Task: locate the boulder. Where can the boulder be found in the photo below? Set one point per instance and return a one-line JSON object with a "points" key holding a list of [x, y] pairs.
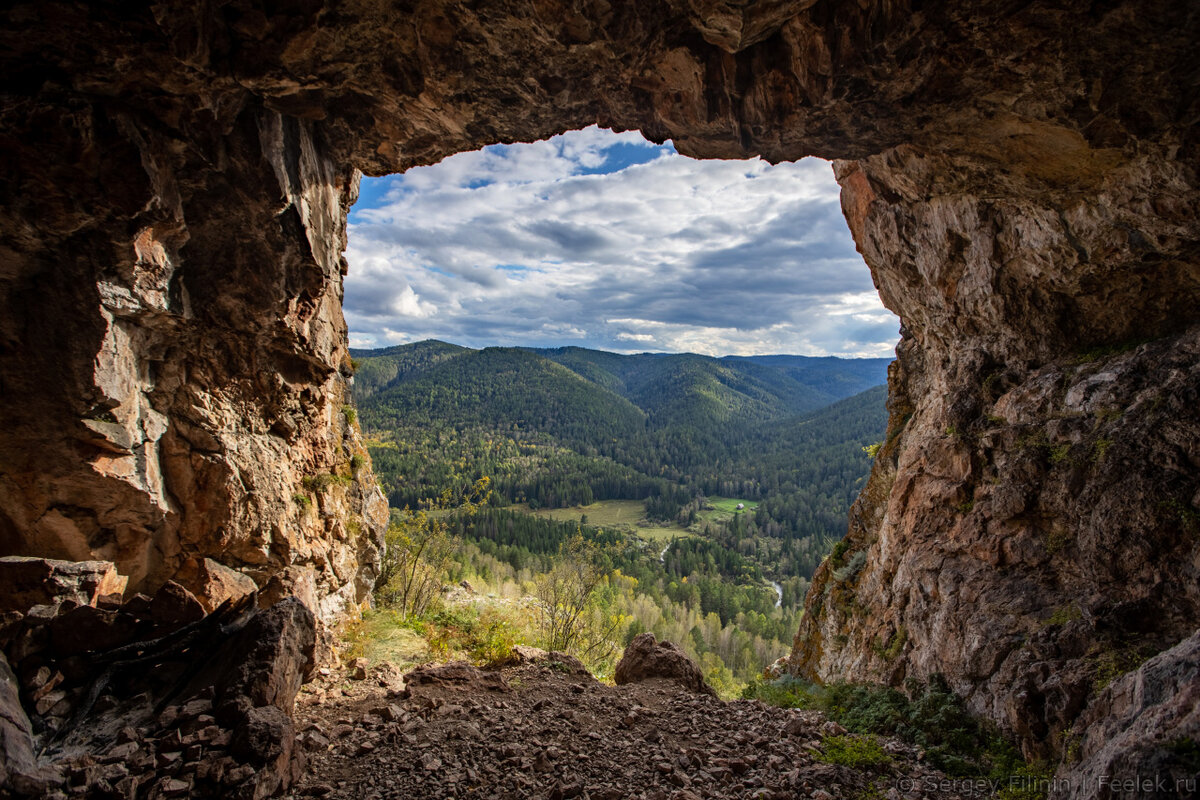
{"points": [[26, 582], [646, 658], [267, 740], [269, 660], [174, 606], [212, 582]]}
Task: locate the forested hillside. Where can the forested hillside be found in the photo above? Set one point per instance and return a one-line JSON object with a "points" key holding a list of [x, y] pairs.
{"points": [[571, 426], [743, 469]]}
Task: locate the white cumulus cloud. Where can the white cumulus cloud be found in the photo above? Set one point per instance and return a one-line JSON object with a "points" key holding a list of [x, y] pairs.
{"points": [[605, 240]]}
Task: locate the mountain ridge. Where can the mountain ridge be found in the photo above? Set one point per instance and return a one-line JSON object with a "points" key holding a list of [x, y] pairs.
{"points": [[667, 387]]}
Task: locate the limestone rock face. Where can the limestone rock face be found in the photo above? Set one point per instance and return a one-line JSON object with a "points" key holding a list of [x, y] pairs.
{"points": [[176, 377], [1145, 726], [1021, 179]]}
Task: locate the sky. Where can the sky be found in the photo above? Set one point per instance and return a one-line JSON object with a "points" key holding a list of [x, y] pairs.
{"points": [[604, 240]]}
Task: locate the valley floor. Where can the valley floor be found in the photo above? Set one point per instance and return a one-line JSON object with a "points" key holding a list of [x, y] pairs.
{"points": [[548, 729]]}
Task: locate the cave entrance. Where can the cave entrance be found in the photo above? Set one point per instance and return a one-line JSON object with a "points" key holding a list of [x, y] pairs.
{"points": [[592, 250]]}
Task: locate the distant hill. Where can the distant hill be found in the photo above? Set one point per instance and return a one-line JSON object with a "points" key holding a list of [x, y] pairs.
{"points": [[563, 391], [836, 377], [379, 369], [504, 389]]}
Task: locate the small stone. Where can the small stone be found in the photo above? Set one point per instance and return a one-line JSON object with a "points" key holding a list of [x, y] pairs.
{"points": [[314, 740], [49, 701], [194, 708], [48, 684], [389, 713], [39, 679], [122, 752], [238, 775], [831, 728], [173, 787], [167, 717], [127, 787]]}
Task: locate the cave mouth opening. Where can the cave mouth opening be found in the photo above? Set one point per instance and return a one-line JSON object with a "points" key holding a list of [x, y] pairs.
{"points": [[607, 241]]}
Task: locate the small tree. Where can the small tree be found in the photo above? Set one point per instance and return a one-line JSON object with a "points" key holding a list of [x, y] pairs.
{"points": [[418, 549], [570, 614]]}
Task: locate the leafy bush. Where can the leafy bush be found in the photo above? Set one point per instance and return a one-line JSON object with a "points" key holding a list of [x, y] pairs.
{"points": [[860, 752], [930, 716], [852, 567], [1063, 614], [322, 481], [837, 557], [493, 643]]}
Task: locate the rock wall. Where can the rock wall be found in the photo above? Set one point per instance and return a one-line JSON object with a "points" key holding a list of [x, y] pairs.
{"points": [[1020, 177], [175, 365]]}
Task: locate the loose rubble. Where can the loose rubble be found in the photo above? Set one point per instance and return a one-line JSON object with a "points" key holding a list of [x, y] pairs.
{"points": [[545, 729]]}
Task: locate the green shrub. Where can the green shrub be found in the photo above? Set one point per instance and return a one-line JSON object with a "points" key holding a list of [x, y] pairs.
{"points": [[1059, 453], [872, 450], [1100, 449], [929, 716], [1186, 752], [860, 752], [350, 413], [301, 500], [1112, 664], [839, 552], [1057, 539], [357, 462], [1063, 614], [322, 481], [492, 643], [894, 646], [1027, 782], [852, 567]]}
